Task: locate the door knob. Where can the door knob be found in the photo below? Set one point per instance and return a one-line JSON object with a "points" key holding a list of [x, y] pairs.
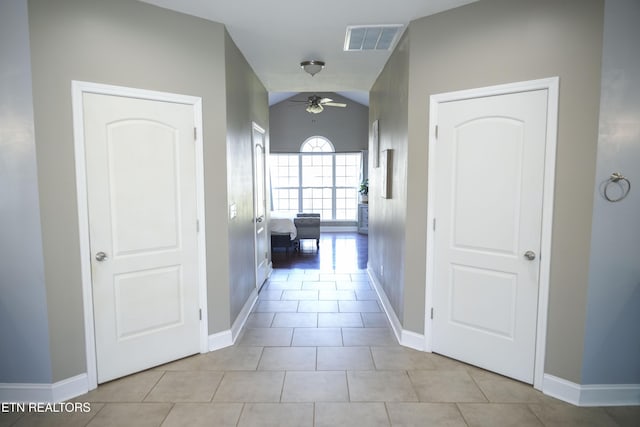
{"points": [[260, 219], [101, 256], [530, 255]]}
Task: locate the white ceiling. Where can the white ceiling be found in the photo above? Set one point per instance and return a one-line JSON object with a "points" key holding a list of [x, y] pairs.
{"points": [[275, 36]]}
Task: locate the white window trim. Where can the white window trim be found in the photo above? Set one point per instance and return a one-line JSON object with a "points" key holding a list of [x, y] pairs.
{"points": [[333, 188], [306, 141]]}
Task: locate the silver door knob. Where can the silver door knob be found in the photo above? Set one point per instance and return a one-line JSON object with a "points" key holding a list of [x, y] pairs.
{"points": [[530, 255], [101, 256]]}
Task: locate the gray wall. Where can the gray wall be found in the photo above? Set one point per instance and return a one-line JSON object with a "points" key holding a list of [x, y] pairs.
{"points": [[612, 341], [493, 42], [389, 102], [247, 102], [290, 125], [24, 330], [126, 43]]}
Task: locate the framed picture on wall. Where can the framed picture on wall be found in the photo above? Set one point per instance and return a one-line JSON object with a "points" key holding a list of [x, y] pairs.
{"points": [[386, 173], [375, 144]]}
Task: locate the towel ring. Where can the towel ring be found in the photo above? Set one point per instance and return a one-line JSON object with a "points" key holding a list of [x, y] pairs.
{"points": [[617, 178]]}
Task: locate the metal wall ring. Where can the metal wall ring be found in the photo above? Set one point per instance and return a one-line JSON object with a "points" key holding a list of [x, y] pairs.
{"points": [[617, 178]]}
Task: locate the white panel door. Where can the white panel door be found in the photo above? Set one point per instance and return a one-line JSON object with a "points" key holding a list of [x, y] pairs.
{"points": [[140, 158], [260, 206], [488, 210]]}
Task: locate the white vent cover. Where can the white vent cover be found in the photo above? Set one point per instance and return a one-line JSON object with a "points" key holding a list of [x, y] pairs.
{"points": [[371, 37]]}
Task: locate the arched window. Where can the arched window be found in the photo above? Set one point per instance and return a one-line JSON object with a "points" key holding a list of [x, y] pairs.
{"points": [[316, 180], [317, 144]]}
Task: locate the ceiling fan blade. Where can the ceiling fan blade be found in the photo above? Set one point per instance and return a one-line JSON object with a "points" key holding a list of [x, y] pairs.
{"points": [[334, 104], [324, 100]]}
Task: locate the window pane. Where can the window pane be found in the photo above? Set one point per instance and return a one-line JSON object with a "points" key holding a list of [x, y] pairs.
{"points": [[317, 170], [317, 144], [285, 182], [316, 182]]}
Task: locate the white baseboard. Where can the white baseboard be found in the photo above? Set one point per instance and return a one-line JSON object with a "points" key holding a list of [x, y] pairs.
{"points": [[220, 340], [338, 228], [396, 326], [228, 337], [406, 338], [591, 394], [51, 393], [71, 387], [242, 317], [413, 340], [269, 271]]}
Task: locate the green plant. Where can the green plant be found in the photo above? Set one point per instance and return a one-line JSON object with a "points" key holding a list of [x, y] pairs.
{"points": [[364, 187]]}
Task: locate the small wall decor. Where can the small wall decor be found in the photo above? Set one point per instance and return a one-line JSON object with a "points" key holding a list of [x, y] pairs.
{"points": [[386, 172], [375, 144]]}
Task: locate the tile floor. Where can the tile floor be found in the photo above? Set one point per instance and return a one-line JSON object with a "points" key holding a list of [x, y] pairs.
{"points": [[318, 351]]}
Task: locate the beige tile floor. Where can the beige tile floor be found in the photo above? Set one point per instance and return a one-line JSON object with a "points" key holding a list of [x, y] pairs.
{"points": [[318, 351]]}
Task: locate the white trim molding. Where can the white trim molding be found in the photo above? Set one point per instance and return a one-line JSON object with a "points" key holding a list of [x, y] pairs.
{"points": [[78, 88], [220, 340], [412, 340], [591, 394], [242, 317], [332, 228], [406, 338], [552, 86], [228, 337], [50, 393]]}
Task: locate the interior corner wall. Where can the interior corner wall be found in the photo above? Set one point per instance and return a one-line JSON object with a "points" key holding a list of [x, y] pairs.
{"points": [[25, 356], [612, 341], [247, 102], [126, 43], [346, 128], [489, 43], [388, 103]]}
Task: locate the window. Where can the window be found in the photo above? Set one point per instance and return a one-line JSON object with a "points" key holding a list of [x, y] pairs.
{"points": [[316, 180], [317, 144]]}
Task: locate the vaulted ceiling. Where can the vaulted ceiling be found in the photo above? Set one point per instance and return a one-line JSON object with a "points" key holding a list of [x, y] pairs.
{"points": [[276, 35]]}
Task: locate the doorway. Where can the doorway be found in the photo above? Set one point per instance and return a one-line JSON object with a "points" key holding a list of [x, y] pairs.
{"points": [[491, 169], [141, 210], [263, 266]]}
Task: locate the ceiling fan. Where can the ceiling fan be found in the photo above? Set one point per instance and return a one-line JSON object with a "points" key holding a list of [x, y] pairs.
{"points": [[316, 104]]}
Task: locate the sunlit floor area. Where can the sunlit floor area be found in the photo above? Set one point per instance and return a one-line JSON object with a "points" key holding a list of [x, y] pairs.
{"points": [[337, 251]]}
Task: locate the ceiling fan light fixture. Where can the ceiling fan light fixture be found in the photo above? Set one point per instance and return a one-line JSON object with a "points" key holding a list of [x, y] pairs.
{"points": [[315, 108], [312, 67]]}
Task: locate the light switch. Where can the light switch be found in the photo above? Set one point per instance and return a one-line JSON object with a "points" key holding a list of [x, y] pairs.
{"points": [[233, 211]]}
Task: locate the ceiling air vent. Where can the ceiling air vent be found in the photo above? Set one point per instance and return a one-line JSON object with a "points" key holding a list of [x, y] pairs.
{"points": [[371, 37]]}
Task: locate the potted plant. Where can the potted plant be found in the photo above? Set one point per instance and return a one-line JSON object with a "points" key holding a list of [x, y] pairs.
{"points": [[364, 191]]}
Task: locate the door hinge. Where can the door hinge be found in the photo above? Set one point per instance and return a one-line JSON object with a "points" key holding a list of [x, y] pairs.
{"points": [[197, 225], [436, 131], [431, 312], [195, 133], [200, 313], [434, 224]]}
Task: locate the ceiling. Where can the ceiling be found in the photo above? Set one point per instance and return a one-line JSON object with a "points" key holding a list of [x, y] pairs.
{"points": [[275, 36]]}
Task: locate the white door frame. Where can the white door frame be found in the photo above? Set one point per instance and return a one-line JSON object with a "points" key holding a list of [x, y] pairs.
{"points": [[552, 86], [78, 88], [261, 130]]}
